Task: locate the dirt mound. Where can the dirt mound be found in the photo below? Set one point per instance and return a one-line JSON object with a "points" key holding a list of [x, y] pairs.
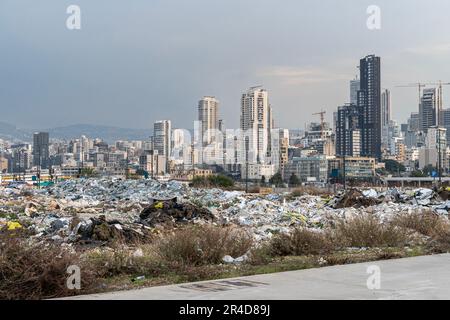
{"points": [[170, 212]]}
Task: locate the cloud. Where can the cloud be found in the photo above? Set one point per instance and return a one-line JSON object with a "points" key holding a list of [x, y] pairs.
{"points": [[289, 75]]}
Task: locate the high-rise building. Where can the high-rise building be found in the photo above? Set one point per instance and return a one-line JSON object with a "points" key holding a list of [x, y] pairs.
{"points": [[413, 133], [181, 146], [428, 108], [21, 158], [162, 139], [348, 131], [369, 99], [434, 151], [41, 153], [394, 132], [445, 122], [279, 148], [414, 122], [256, 124], [208, 115], [385, 116], [355, 86]]}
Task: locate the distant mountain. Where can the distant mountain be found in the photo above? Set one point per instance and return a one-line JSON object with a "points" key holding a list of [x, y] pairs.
{"points": [[108, 133], [13, 134]]}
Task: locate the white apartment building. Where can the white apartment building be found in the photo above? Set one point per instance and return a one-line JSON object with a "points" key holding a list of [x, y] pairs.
{"points": [[435, 145], [256, 171], [385, 117], [256, 124], [162, 137], [208, 115]]}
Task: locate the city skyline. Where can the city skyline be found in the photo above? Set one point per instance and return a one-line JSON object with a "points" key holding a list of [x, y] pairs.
{"points": [[69, 78]]}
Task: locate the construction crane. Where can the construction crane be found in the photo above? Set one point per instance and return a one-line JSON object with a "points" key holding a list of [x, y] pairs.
{"points": [[440, 84], [322, 121], [418, 85]]}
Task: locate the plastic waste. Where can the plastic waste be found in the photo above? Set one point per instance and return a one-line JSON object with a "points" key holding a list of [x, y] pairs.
{"points": [[12, 225]]}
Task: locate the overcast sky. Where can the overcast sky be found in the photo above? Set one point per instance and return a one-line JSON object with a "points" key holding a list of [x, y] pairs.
{"points": [[134, 62]]}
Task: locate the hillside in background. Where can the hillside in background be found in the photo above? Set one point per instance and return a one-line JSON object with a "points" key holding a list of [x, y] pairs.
{"points": [[108, 133]]}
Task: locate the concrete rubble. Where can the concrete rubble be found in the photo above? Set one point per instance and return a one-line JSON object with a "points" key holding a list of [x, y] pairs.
{"points": [[99, 210]]}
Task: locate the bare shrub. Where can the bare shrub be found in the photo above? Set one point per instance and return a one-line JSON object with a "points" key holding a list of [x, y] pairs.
{"points": [[36, 271], [299, 242], [261, 255], [204, 245], [440, 241], [368, 231], [427, 223]]}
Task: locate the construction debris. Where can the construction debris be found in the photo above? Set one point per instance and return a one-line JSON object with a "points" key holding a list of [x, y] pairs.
{"points": [[231, 260], [99, 211], [170, 212], [356, 199]]}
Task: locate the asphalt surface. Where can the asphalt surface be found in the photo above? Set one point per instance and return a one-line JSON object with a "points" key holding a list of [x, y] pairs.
{"points": [[425, 277]]}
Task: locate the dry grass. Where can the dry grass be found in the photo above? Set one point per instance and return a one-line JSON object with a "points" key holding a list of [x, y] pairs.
{"points": [[194, 253], [368, 231], [203, 245], [427, 223], [122, 261], [300, 242], [341, 258], [34, 271], [309, 190], [440, 242]]}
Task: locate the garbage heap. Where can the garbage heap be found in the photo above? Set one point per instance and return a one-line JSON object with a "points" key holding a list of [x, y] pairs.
{"points": [[107, 209], [170, 212]]}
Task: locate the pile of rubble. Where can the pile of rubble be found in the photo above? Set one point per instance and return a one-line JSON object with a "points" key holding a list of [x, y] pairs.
{"points": [[170, 212], [101, 210]]}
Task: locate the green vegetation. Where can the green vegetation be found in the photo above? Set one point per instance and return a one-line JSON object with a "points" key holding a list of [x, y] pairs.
{"points": [[213, 181], [263, 180], [88, 172], [294, 181], [425, 172], [277, 180], [393, 167], [418, 174]]}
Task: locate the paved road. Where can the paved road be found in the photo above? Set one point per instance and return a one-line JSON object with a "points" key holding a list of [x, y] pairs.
{"points": [[411, 278]]}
